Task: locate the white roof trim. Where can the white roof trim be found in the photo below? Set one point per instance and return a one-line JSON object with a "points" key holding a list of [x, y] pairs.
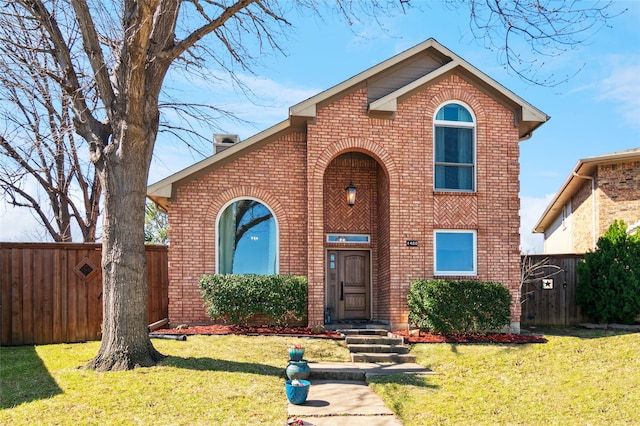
{"points": [[163, 188], [307, 108], [388, 103]]}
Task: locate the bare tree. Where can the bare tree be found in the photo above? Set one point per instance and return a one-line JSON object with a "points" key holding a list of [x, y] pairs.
{"points": [[38, 145], [527, 34], [113, 79]]}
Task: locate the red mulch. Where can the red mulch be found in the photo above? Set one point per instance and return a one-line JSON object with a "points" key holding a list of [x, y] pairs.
{"points": [[234, 329], [426, 337], [414, 337]]}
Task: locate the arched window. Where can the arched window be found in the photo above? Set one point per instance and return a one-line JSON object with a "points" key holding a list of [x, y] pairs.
{"points": [[454, 148], [247, 239]]}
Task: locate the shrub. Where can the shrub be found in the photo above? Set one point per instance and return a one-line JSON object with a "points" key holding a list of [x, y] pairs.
{"points": [[277, 299], [451, 306], [609, 278]]}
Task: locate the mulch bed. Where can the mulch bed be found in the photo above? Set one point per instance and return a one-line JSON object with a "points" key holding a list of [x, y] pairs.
{"points": [[426, 337], [220, 329], [414, 337]]}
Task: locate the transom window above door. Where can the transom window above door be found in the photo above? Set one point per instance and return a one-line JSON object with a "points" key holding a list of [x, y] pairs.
{"points": [[247, 239], [454, 134], [348, 238]]}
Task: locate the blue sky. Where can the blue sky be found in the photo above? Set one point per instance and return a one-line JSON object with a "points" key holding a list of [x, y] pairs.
{"points": [[595, 112]]}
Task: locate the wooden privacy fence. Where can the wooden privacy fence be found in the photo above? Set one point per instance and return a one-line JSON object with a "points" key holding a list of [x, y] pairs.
{"points": [[52, 293], [553, 302]]}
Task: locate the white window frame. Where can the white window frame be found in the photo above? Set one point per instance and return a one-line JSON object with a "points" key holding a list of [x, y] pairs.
{"points": [[471, 273], [457, 124], [217, 239]]}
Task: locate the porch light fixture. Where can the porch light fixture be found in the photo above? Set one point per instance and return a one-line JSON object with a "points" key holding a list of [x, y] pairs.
{"points": [[351, 194], [351, 189]]}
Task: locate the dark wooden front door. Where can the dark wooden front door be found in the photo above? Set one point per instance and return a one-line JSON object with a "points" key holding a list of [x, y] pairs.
{"points": [[348, 284]]}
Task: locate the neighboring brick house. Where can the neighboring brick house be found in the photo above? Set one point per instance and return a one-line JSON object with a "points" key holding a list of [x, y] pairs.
{"points": [[598, 191], [430, 144]]}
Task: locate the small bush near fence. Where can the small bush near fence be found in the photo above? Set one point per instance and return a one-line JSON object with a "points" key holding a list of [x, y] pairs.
{"points": [[239, 299], [458, 306]]}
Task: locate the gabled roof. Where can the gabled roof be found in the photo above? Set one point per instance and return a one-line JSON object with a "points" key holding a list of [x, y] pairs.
{"points": [[585, 169], [387, 84]]}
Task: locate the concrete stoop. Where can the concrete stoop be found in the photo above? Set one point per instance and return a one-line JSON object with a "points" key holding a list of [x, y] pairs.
{"points": [[339, 393], [376, 345]]}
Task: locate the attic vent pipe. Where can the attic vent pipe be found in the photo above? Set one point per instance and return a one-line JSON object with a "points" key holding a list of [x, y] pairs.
{"points": [[224, 141]]}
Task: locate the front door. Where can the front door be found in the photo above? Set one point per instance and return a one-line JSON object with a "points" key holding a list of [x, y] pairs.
{"points": [[348, 284]]}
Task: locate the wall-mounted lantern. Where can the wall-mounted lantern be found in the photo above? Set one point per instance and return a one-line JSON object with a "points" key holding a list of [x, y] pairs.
{"points": [[351, 194], [351, 188]]}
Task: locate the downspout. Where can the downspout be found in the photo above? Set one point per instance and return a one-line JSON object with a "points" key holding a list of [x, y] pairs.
{"points": [[593, 207]]}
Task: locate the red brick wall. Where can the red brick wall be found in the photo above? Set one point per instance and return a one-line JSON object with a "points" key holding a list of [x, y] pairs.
{"points": [[395, 184], [274, 174], [618, 194]]}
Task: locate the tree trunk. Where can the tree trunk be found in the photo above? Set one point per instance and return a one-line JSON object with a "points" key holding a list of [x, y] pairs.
{"points": [[123, 174]]}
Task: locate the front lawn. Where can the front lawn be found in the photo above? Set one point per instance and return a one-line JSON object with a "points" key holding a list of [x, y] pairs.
{"points": [[588, 378], [221, 380]]}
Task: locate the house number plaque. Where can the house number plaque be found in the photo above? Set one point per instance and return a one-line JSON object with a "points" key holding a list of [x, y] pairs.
{"points": [[412, 243]]}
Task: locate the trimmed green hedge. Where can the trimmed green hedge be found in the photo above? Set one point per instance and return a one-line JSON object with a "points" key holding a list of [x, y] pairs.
{"points": [[458, 306], [277, 299]]}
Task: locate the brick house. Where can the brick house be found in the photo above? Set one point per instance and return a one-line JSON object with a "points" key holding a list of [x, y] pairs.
{"points": [[429, 145], [598, 191]]}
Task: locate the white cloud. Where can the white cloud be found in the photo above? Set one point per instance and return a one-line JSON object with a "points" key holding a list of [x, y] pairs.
{"points": [[259, 101], [623, 86], [17, 224], [531, 208], [262, 104]]}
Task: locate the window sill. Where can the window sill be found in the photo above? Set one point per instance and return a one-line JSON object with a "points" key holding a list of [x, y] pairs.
{"points": [[453, 192], [455, 276]]}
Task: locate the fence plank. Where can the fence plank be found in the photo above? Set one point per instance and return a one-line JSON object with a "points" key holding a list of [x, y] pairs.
{"points": [[27, 297], [17, 290], [94, 297], [6, 300], [72, 296], [43, 300]]}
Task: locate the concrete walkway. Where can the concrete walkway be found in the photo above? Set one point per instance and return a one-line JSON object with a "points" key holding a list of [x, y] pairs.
{"points": [[339, 394]]}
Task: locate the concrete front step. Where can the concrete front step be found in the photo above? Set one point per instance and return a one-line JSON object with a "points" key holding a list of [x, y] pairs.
{"points": [[361, 370], [382, 357], [399, 349], [374, 346], [365, 332], [372, 340]]}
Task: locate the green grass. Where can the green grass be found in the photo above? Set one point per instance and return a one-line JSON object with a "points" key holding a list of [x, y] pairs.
{"points": [[218, 380], [590, 379], [593, 378]]}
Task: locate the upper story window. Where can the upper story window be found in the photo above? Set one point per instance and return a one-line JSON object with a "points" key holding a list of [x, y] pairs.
{"points": [[247, 239], [454, 148]]}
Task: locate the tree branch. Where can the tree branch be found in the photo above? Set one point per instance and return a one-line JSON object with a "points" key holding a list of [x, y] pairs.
{"points": [[93, 50]]}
